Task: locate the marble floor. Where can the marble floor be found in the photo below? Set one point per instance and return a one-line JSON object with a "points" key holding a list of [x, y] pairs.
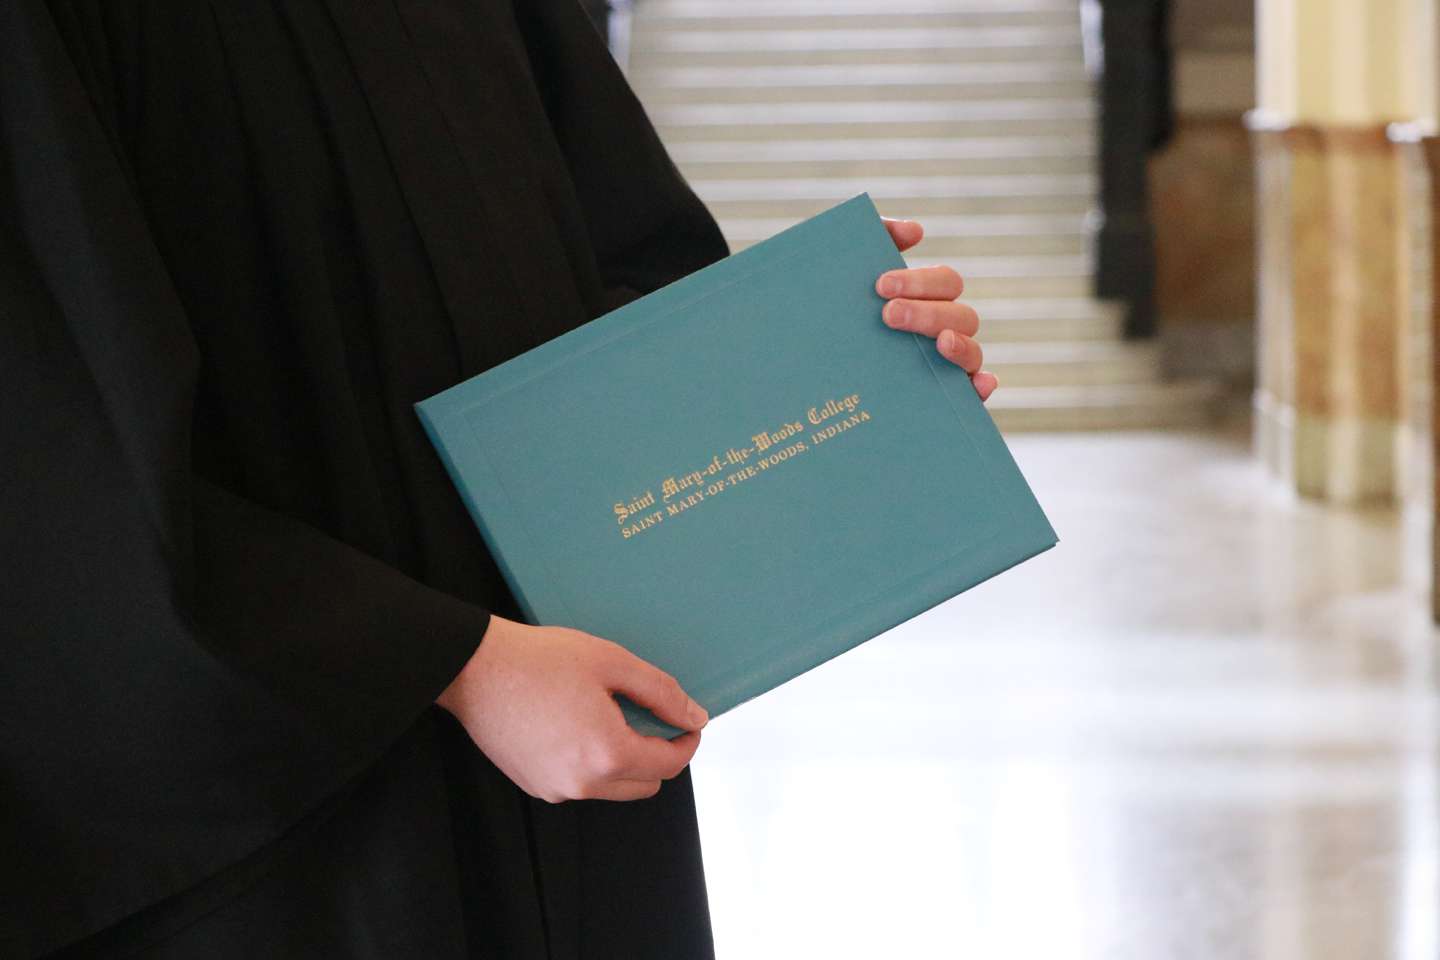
{"points": [[1204, 726]]}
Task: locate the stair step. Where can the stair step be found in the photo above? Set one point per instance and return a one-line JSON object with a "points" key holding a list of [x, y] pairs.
{"points": [[680, 129], [965, 247], [754, 17], [860, 81], [1009, 235], [1037, 331], [1048, 277], [857, 42], [853, 112], [832, 157], [926, 199], [879, 167], [657, 94], [752, 229], [760, 8], [850, 119], [656, 79], [1016, 267], [916, 198], [1112, 407], [896, 148], [1072, 364], [821, 188], [950, 236], [1009, 287], [1012, 45], [739, 57], [1034, 308], [1036, 319], [922, 208]]}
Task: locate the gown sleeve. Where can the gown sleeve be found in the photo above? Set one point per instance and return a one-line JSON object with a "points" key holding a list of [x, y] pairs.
{"points": [[646, 225], [185, 673]]}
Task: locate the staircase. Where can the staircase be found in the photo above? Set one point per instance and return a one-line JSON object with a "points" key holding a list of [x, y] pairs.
{"points": [[974, 117]]}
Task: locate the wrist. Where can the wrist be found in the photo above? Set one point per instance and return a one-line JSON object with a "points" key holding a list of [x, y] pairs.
{"points": [[453, 695]]}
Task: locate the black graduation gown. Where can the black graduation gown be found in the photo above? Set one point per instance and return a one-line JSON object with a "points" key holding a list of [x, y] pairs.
{"points": [[238, 240]]}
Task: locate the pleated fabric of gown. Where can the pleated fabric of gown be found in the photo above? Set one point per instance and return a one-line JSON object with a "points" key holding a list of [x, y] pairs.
{"points": [[238, 241]]}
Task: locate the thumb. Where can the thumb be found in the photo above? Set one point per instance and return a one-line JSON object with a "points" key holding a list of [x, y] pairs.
{"points": [[653, 688]]}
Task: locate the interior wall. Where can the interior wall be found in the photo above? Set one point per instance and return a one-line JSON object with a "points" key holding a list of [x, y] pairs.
{"points": [[1203, 195], [1214, 49]]}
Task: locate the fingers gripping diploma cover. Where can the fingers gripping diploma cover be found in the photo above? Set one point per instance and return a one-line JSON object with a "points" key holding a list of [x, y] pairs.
{"points": [[742, 474]]}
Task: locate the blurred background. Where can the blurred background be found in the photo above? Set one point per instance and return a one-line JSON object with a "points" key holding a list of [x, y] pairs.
{"points": [[1200, 236]]}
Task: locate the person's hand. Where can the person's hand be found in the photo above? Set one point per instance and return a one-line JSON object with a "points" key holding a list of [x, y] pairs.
{"points": [[922, 300], [537, 701]]}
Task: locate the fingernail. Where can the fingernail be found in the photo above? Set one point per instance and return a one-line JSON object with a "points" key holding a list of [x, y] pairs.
{"points": [[890, 285], [946, 342], [894, 313], [698, 716]]}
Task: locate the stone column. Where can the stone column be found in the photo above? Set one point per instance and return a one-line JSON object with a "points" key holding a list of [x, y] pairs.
{"points": [[1332, 76], [1417, 157], [1425, 374]]}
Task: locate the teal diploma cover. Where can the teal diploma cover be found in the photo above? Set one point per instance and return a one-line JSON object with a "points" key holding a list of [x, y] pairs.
{"points": [[743, 474]]}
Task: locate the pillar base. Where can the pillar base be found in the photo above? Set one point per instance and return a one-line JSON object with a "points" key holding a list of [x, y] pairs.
{"points": [[1342, 460]]}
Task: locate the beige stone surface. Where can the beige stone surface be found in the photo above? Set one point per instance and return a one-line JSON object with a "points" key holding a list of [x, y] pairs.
{"points": [[1347, 62], [1202, 205]]}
